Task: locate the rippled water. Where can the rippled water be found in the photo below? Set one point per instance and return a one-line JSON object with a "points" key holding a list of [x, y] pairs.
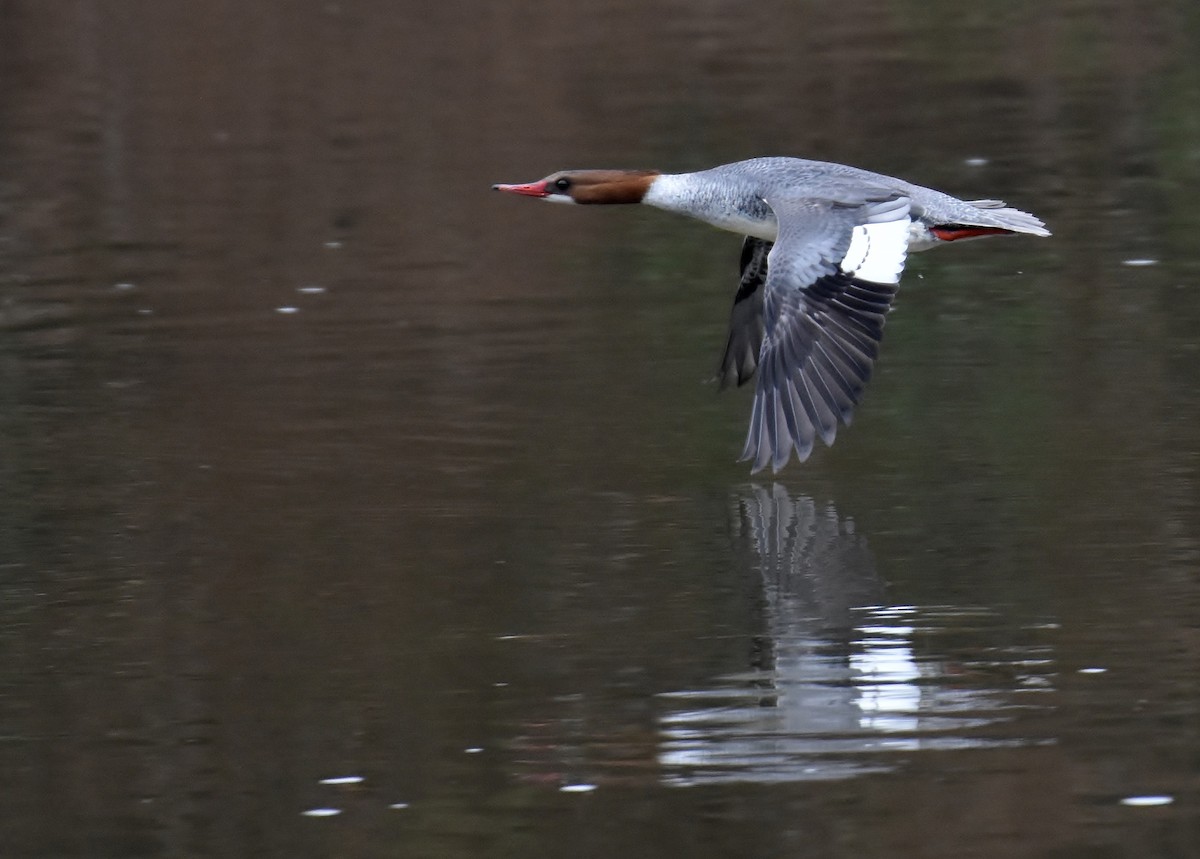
{"points": [[350, 509], [840, 686]]}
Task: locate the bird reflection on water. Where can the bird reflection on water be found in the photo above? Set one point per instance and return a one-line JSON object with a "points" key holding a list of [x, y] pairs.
{"points": [[840, 685], [840, 678]]}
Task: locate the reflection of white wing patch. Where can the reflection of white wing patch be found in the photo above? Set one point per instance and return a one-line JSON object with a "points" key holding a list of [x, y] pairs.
{"points": [[877, 251]]}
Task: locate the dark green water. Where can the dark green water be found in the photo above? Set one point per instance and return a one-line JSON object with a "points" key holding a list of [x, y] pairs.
{"points": [[320, 461]]}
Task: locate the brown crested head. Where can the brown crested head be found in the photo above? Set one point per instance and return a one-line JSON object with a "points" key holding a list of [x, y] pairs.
{"points": [[588, 186]]}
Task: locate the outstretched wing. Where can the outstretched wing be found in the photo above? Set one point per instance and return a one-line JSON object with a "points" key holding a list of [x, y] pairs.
{"points": [[831, 278], [746, 318]]}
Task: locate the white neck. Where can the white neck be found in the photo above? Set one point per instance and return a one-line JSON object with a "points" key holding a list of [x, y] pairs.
{"points": [[674, 192], [724, 205]]}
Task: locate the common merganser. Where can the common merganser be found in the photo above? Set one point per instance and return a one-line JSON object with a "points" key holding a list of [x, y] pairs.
{"points": [[821, 260]]}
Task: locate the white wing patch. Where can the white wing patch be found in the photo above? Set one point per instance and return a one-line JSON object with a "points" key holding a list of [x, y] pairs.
{"points": [[877, 251]]}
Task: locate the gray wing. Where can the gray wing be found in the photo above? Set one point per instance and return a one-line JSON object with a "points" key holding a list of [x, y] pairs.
{"points": [[746, 318], [831, 278]]}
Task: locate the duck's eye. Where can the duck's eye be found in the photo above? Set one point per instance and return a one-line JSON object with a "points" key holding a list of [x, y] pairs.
{"points": [[562, 184]]}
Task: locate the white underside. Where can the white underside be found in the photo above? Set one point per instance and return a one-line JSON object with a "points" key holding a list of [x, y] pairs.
{"points": [[920, 239]]}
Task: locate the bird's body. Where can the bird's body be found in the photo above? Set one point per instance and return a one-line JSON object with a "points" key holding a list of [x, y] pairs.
{"points": [[732, 197], [825, 245]]}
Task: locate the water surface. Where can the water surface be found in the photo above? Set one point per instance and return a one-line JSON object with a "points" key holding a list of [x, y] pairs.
{"points": [[351, 509]]}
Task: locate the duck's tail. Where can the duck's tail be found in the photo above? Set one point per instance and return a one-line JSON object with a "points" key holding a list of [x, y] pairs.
{"points": [[993, 213]]}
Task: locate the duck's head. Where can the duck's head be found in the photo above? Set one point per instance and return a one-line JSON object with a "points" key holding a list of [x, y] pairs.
{"points": [[588, 186]]}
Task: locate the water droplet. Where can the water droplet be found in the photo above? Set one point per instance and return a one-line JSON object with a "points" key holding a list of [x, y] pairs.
{"points": [[1140, 262], [343, 779], [975, 161], [1147, 801], [577, 788], [1092, 670], [311, 290], [322, 812], [473, 750], [333, 245], [398, 805], [287, 309], [123, 286]]}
